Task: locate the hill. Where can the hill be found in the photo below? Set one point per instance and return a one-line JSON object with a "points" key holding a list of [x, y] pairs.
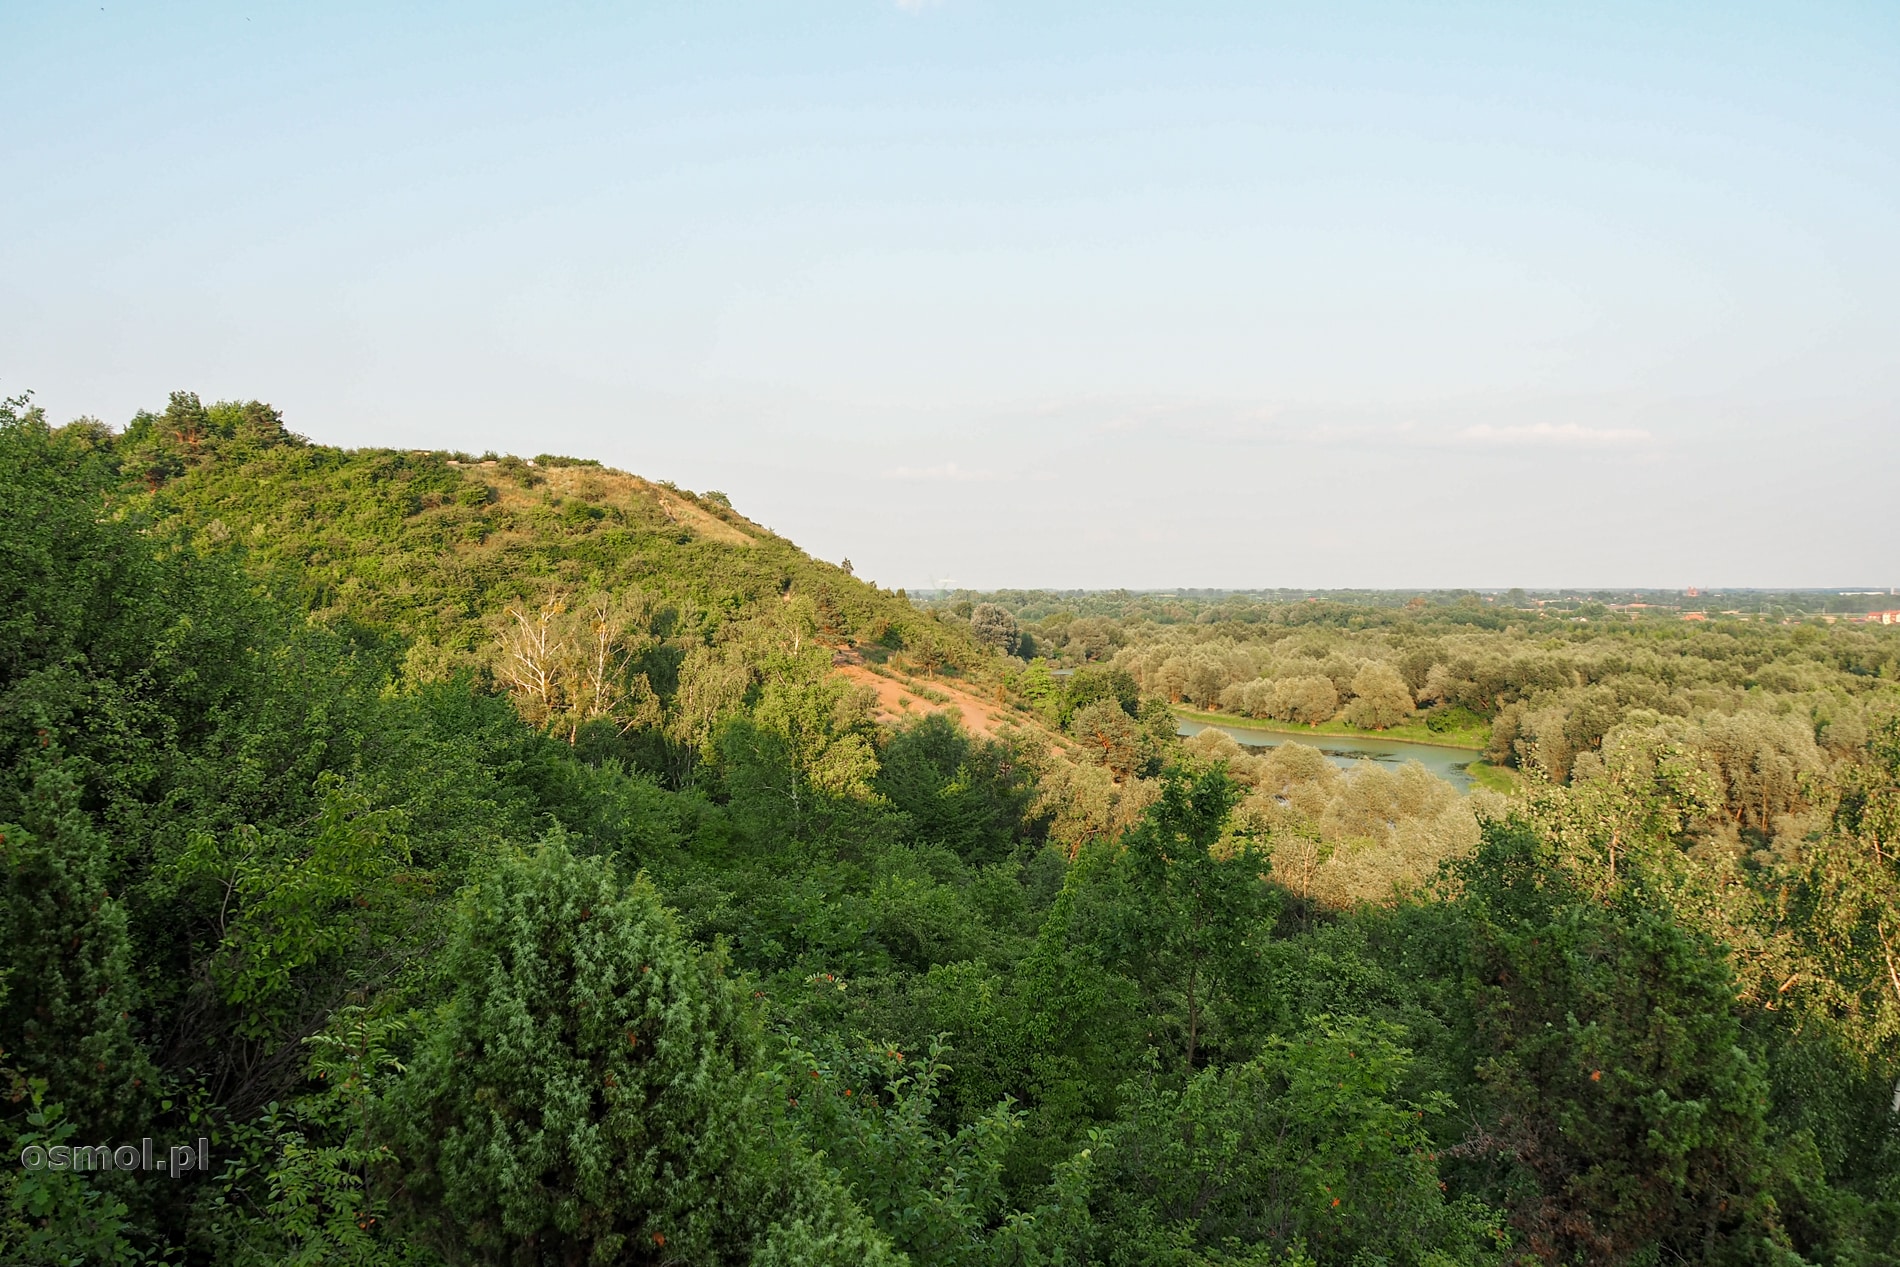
{"points": [[435, 545], [527, 570]]}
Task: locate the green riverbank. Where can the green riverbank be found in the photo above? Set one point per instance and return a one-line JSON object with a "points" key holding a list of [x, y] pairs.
{"points": [[1464, 741]]}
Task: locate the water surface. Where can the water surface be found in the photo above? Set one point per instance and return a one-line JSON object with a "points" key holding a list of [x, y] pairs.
{"points": [[1449, 764]]}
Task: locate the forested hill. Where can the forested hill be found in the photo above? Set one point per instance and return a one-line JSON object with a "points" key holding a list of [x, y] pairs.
{"points": [[590, 594], [437, 546]]}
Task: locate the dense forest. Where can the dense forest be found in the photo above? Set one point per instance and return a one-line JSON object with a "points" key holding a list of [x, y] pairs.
{"points": [[517, 861]]}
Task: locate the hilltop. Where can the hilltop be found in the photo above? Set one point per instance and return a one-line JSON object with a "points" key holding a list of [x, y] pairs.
{"points": [[472, 564], [437, 545]]}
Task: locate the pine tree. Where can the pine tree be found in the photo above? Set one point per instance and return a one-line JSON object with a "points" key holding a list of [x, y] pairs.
{"points": [[1609, 1042], [66, 993], [595, 1092]]}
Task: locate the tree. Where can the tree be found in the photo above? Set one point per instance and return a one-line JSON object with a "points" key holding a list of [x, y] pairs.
{"points": [[1635, 796], [1611, 1049], [65, 569], [995, 628], [157, 448], [711, 686], [1083, 804], [1379, 697], [567, 662], [299, 917], [1309, 1148], [965, 795], [1109, 735], [66, 984], [806, 743], [1192, 901], [1094, 683], [937, 1195], [1311, 699], [1840, 899], [1040, 687], [1090, 638], [595, 1092]]}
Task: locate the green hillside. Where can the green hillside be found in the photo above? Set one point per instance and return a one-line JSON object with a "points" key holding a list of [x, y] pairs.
{"points": [[436, 545], [462, 564]]}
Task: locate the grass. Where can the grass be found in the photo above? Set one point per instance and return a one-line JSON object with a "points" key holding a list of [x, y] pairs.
{"points": [[1410, 732], [1496, 778]]}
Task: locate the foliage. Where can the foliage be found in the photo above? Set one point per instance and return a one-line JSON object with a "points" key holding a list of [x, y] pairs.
{"points": [[567, 663], [1189, 906], [995, 628], [595, 1085], [54, 1218], [594, 595], [965, 795], [1305, 1149], [1370, 834], [937, 1196], [1380, 697], [287, 904], [1768, 700], [282, 725], [1612, 1049], [66, 985], [1109, 735]]}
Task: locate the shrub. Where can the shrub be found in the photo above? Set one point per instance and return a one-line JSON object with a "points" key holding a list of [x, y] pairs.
{"points": [[595, 1090]]}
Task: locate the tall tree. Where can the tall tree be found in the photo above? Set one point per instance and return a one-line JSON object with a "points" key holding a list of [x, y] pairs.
{"points": [[1192, 903], [567, 661], [995, 628], [965, 794], [66, 983], [1610, 1042], [1109, 736], [1379, 697], [1309, 698]]}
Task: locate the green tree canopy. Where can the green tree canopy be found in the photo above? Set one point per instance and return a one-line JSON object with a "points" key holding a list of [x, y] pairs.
{"points": [[996, 628], [595, 1090]]}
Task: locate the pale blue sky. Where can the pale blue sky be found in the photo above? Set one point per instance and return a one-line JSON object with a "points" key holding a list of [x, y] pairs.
{"points": [[1068, 295]]}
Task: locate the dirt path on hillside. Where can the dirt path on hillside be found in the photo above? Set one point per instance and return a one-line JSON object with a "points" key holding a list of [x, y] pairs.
{"points": [[901, 697]]}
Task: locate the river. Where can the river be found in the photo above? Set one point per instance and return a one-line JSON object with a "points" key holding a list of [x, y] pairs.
{"points": [[1448, 764]]}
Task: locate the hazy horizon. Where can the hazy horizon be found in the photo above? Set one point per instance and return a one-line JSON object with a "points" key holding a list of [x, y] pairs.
{"points": [[1368, 298]]}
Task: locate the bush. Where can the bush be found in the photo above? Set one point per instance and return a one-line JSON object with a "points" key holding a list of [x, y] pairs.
{"points": [[1306, 1150], [595, 1091]]}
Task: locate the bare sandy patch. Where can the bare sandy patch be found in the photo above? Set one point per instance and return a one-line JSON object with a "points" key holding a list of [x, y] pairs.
{"points": [[899, 697]]}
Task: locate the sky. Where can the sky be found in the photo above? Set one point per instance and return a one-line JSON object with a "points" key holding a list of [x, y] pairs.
{"points": [[1061, 295]]}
